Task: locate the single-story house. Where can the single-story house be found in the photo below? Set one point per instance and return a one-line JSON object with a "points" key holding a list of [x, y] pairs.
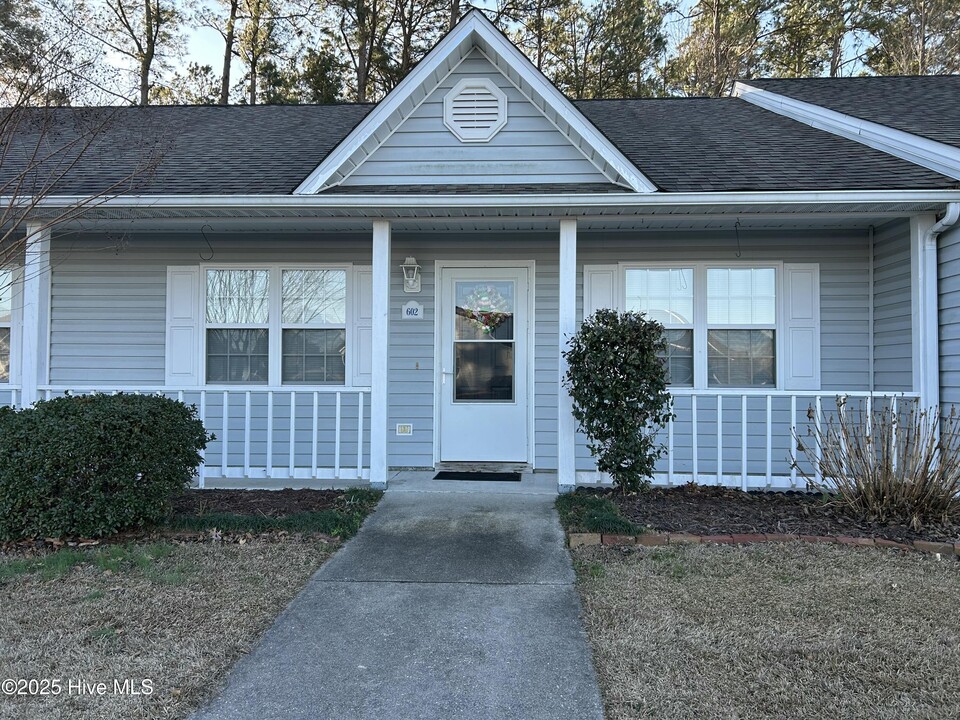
{"points": [[344, 290]]}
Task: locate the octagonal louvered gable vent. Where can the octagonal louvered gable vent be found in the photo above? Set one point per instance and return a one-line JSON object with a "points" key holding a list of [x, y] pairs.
{"points": [[475, 110]]}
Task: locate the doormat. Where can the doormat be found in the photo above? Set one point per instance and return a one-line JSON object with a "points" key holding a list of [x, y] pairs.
{"points": [[479, 476]]}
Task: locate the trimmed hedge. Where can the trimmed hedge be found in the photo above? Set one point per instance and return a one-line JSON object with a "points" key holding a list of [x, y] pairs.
{"points": [[94, 465]]}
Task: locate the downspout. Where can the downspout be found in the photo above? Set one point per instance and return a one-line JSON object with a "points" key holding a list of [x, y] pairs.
{"points": [[930, 267]]}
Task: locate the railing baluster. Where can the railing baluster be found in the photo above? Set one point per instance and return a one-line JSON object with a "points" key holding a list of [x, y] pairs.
{"points": [[818, 474], [203, 453], [293, 431], [696, 449], [226, 431], [336, 442], [246, 434], [743, 443], [719, 439], [313, 439], [269, 463], [895, 427], [769, 440], [670, 446], [793, 441], [360, 435]]}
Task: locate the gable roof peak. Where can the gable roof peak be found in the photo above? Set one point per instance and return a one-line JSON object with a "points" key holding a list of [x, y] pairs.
{"points": [[474, 30]]}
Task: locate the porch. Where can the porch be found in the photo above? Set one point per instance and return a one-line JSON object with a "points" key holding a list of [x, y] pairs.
{"points": [[876, 338]]}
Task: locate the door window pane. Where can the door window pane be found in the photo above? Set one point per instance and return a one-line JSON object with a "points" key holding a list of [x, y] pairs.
{"points": [[663, 294], [741, 358], [741, 296], [5, 354], [314, 297], [484, 310], [238, 356], [483, 371], [239, 297], [314, 356]]}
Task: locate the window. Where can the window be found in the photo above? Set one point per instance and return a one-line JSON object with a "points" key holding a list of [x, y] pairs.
{"points": [[720, 322], [6, 322], [666, 295], [269, 325], [741, 327]]}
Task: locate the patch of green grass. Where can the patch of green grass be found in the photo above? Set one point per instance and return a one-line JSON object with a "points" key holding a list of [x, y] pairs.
{"points": [[580, 512], [340, 523], [95, 595], [113, 558], [180, 574], [104, 633]]}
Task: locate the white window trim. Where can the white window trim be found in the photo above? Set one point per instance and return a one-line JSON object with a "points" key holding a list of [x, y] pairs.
{"points": [[700, 326], [275, 325], [16, 321]]}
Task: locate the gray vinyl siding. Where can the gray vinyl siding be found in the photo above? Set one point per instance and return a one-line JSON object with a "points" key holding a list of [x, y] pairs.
{"points": [[109, 314], [844, 335], [893, 340], [949, 289], [529, 149], [108, 300]]}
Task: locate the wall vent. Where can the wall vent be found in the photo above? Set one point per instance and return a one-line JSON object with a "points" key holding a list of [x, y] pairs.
{"points": [[475, 110]]}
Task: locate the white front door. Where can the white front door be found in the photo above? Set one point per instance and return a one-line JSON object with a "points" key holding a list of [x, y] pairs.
{"points": [[483, 357]]}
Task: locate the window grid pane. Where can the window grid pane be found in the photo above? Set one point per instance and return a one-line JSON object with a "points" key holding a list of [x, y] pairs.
{"points": [[238, 297], [663, 294], [678, 357], [741, 296], [741, 358], [238, 356], [6, 293], [314, 297], [4, 354], [314, 356]]}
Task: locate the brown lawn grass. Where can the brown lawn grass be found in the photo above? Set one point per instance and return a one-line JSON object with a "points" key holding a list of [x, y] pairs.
{"points": [[772, 631], [176, 614]]}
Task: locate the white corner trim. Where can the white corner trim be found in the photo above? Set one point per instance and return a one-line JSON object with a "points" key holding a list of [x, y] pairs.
{"points": [[469, 122], [943, 158], [472, 30]]}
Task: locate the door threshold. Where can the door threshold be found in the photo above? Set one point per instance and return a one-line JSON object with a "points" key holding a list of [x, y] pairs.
{"points": [[489, 467]]}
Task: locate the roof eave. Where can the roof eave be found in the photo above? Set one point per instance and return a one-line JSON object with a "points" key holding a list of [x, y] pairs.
{"points": [[940, 157]]}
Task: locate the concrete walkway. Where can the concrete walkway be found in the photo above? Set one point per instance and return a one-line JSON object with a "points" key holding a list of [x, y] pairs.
{"points": [[446, 605]]}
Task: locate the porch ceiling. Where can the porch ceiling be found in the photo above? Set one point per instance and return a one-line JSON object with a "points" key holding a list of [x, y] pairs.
{"points": [[459, 213]]}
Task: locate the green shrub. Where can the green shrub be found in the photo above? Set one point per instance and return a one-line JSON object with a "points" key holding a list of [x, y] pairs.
{"points": [[580, 512], [94, 465], [618, 382]]}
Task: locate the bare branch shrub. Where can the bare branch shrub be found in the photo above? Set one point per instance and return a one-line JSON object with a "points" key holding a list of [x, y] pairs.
{"points": [[888, 466]]}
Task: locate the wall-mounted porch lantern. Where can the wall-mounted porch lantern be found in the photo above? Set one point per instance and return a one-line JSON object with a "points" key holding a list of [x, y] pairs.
{"points": [[411, 275]]}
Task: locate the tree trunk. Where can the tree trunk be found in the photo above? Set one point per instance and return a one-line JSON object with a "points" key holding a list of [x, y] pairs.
{"points": [[228, 53], [454, 13], [146, 59]]}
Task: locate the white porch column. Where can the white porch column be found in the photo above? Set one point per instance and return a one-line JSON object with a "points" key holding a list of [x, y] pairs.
{"points": [[36, 313], [379, 366], [925, 314], [566, 425]]}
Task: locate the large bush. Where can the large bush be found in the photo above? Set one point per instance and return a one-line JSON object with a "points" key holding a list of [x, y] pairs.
{"points": [[93, 465], [886, 467], [618, 382]]}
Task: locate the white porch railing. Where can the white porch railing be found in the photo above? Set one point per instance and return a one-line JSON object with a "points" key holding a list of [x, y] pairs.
{"points": [[271, 433], [745, 438]]}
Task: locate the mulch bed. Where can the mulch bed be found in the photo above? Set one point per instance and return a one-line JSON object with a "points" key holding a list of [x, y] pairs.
{"points": [[267, 503], [706, 510]]}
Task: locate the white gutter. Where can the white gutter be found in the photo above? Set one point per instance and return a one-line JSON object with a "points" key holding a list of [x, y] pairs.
{"points": [[948, 220], [571, 202], [942, 158]]}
